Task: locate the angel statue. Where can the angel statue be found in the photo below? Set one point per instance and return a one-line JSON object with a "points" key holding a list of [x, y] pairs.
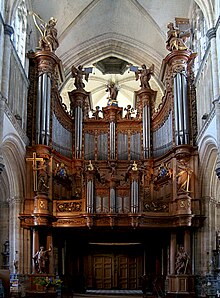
{"points": [[113, 93], [176, 38], [78, 74], [144, 75], [48, 40]]}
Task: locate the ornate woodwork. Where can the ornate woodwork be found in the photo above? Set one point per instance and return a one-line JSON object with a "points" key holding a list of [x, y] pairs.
{"points": [[132, 172]]}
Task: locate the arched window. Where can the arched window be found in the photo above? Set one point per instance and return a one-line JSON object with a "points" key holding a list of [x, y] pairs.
{"points": [[20, 25], [199, 38]]}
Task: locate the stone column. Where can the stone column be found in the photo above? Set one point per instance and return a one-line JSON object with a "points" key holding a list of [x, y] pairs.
{"points": [[172, 253], [14, 228], [2, 105], [211, 34], [8, 31]]}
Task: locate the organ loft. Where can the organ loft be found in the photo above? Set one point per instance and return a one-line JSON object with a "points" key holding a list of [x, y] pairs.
{"points": [[114, 190]]}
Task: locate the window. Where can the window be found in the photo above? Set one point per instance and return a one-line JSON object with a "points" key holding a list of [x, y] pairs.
{"points": [[20, 25], [199, 39]]}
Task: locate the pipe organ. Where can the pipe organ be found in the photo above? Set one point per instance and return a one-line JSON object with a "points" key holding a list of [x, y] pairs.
{"points": [[155, 143], [134, 172]]}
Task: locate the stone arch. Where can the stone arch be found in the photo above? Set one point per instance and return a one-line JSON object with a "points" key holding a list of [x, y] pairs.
{"points": [[13, 152], [208, 11], [113, 44], [208, 156]]}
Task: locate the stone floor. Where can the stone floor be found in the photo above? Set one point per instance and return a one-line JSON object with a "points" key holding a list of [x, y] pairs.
{"points": [[111, 294]]}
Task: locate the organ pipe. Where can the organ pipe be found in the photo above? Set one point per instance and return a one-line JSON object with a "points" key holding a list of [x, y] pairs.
{"points": [[43, 109]]}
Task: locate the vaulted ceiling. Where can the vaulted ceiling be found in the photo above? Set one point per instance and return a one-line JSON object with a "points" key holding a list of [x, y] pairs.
{"points": [[129, 31]]}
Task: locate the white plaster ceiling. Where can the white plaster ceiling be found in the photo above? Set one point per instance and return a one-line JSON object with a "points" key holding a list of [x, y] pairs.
{"points": [[132, 30]]}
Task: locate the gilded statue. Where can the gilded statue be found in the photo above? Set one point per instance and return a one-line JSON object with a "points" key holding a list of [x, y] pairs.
{"points": [[90, 166], [134, 166], [183, 177], [144, 75], [176, 39], [43, 177], [78, 74], [48, 40]]}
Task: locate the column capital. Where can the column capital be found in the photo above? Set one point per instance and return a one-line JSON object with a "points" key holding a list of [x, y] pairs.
{"points": [[211, 33], [8, 29]]}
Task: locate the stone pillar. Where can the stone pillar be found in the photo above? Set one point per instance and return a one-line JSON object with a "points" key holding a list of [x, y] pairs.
{"points": [[211, 34], [172, 253], [14, 228], [8, 30]]}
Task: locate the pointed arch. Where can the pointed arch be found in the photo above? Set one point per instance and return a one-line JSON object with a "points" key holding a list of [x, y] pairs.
{"points": [[207, 176], [13, 153], [208, 11]]}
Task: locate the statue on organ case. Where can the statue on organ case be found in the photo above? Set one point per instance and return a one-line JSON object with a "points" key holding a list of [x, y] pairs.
{"points": [[176, 39], [48, 40], [41, 260], [144, 75], [78, 74]]}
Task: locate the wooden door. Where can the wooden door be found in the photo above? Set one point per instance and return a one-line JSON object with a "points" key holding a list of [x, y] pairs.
{"points": [[127, 272], [102, 271], [116, 271]]}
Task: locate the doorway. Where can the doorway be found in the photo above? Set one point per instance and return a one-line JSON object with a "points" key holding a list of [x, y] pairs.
{"points": [[119, 269]]}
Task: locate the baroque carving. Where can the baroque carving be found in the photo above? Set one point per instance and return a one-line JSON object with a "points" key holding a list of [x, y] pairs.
{"points": [[69, 207], [155, 206]]}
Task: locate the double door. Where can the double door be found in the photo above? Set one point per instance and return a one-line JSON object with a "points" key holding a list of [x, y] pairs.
{"points": [[116, 271]]}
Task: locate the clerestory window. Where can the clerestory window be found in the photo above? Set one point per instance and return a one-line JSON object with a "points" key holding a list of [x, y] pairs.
{"points": [[20, 25]]}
